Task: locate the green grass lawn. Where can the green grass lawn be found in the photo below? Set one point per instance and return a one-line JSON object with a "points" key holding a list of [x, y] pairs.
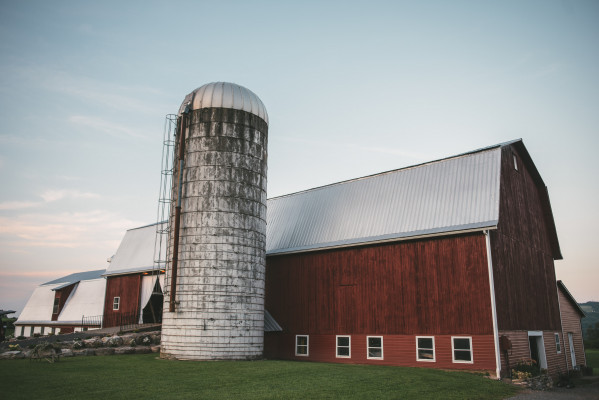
{"points": [[592, 356], [145, 376]]}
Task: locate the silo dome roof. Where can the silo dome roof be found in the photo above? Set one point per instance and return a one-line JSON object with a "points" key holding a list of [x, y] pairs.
{"points": [[225, 95]]}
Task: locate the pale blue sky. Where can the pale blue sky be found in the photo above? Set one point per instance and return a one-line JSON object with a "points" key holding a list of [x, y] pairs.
{"points": [[351, 88]]}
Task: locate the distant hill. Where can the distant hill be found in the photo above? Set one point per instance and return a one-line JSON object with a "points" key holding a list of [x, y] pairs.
{"points": [[591, 309]]}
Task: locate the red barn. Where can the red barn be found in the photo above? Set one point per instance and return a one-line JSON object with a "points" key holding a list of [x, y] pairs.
{"points": [[447, 264], [134, 279]]}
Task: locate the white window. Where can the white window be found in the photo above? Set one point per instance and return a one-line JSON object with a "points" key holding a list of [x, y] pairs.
{"points": [[116, 303], [425, 348], [301, 345], [344, 346], [461, 348], [374, 347], [558, 345]]}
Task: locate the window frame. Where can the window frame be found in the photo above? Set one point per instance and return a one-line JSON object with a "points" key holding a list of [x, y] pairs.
{"points": [[558, 344], [116, 301], [453, 350], [307, 345], [337, 337], [56, 305], [382, 357], [418, 348]]}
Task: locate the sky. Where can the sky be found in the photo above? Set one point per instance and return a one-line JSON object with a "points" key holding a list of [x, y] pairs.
{"points": [[352, 88]]}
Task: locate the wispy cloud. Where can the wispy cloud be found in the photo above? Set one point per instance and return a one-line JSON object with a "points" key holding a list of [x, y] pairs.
{"points": [[106, 127], [98, 228], [55, 195], [19, 205], [48, 196], [121, 97]]}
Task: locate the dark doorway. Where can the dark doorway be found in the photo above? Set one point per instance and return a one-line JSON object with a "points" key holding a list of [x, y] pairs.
{"points": [[534, 349], [152, 312]]}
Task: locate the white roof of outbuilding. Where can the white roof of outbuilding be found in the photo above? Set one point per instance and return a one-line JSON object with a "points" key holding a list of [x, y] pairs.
{"points": [[39, 306], [225, 95], [136, 252], [456, 194], [87, 299]]}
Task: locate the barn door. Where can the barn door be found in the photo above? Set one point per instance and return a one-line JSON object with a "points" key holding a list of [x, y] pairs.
{"points": [[537, 348], [572, 353]]}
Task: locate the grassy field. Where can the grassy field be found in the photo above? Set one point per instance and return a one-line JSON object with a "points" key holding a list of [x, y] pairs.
{"points": [[145, 376], [592, 356]]}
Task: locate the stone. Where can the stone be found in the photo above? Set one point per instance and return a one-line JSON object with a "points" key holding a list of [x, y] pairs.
{"points": [[124, 350], [11, 355], [66, 353], [155, 349], [105, 351], [142, 350], [84, 352]]}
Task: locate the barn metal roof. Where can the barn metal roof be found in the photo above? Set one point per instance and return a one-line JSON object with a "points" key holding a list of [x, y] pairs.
{"points": [[86, 300], [39, 306], [76, 277], [456, 194], [270, 325], [136, 251]]}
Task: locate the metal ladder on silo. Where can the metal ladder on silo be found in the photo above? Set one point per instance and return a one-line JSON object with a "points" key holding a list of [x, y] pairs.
{"points": [[161, 248]]}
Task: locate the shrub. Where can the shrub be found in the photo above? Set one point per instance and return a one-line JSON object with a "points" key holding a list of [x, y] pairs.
{"points": [[21, 337], [14, 347], [525, 369]]}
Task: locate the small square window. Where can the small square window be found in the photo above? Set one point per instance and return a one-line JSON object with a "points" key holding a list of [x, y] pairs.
{"points": [[558, 345], [301, 345], [116, 303], [425, 348], [461, 348], [343, 346], [374, 347]]}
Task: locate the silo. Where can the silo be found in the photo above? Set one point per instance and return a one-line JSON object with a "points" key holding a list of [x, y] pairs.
{"points": [[214, 297]]}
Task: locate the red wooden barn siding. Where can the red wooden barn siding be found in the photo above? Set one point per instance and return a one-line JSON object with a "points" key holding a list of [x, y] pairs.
{"points": [[62, 294], [524, 273], [435, 287], [397, 350], [127, 287], [571, 324]]}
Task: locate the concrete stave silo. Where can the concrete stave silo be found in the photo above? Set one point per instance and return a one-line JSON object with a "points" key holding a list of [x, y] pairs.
{"points": [[215, 309]]}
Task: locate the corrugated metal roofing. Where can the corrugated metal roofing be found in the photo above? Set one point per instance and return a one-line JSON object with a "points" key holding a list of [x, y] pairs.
{"points": [[40, 304], [86, 300], [455, 194], [76, 277], [270, 325], [136, 251]]}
